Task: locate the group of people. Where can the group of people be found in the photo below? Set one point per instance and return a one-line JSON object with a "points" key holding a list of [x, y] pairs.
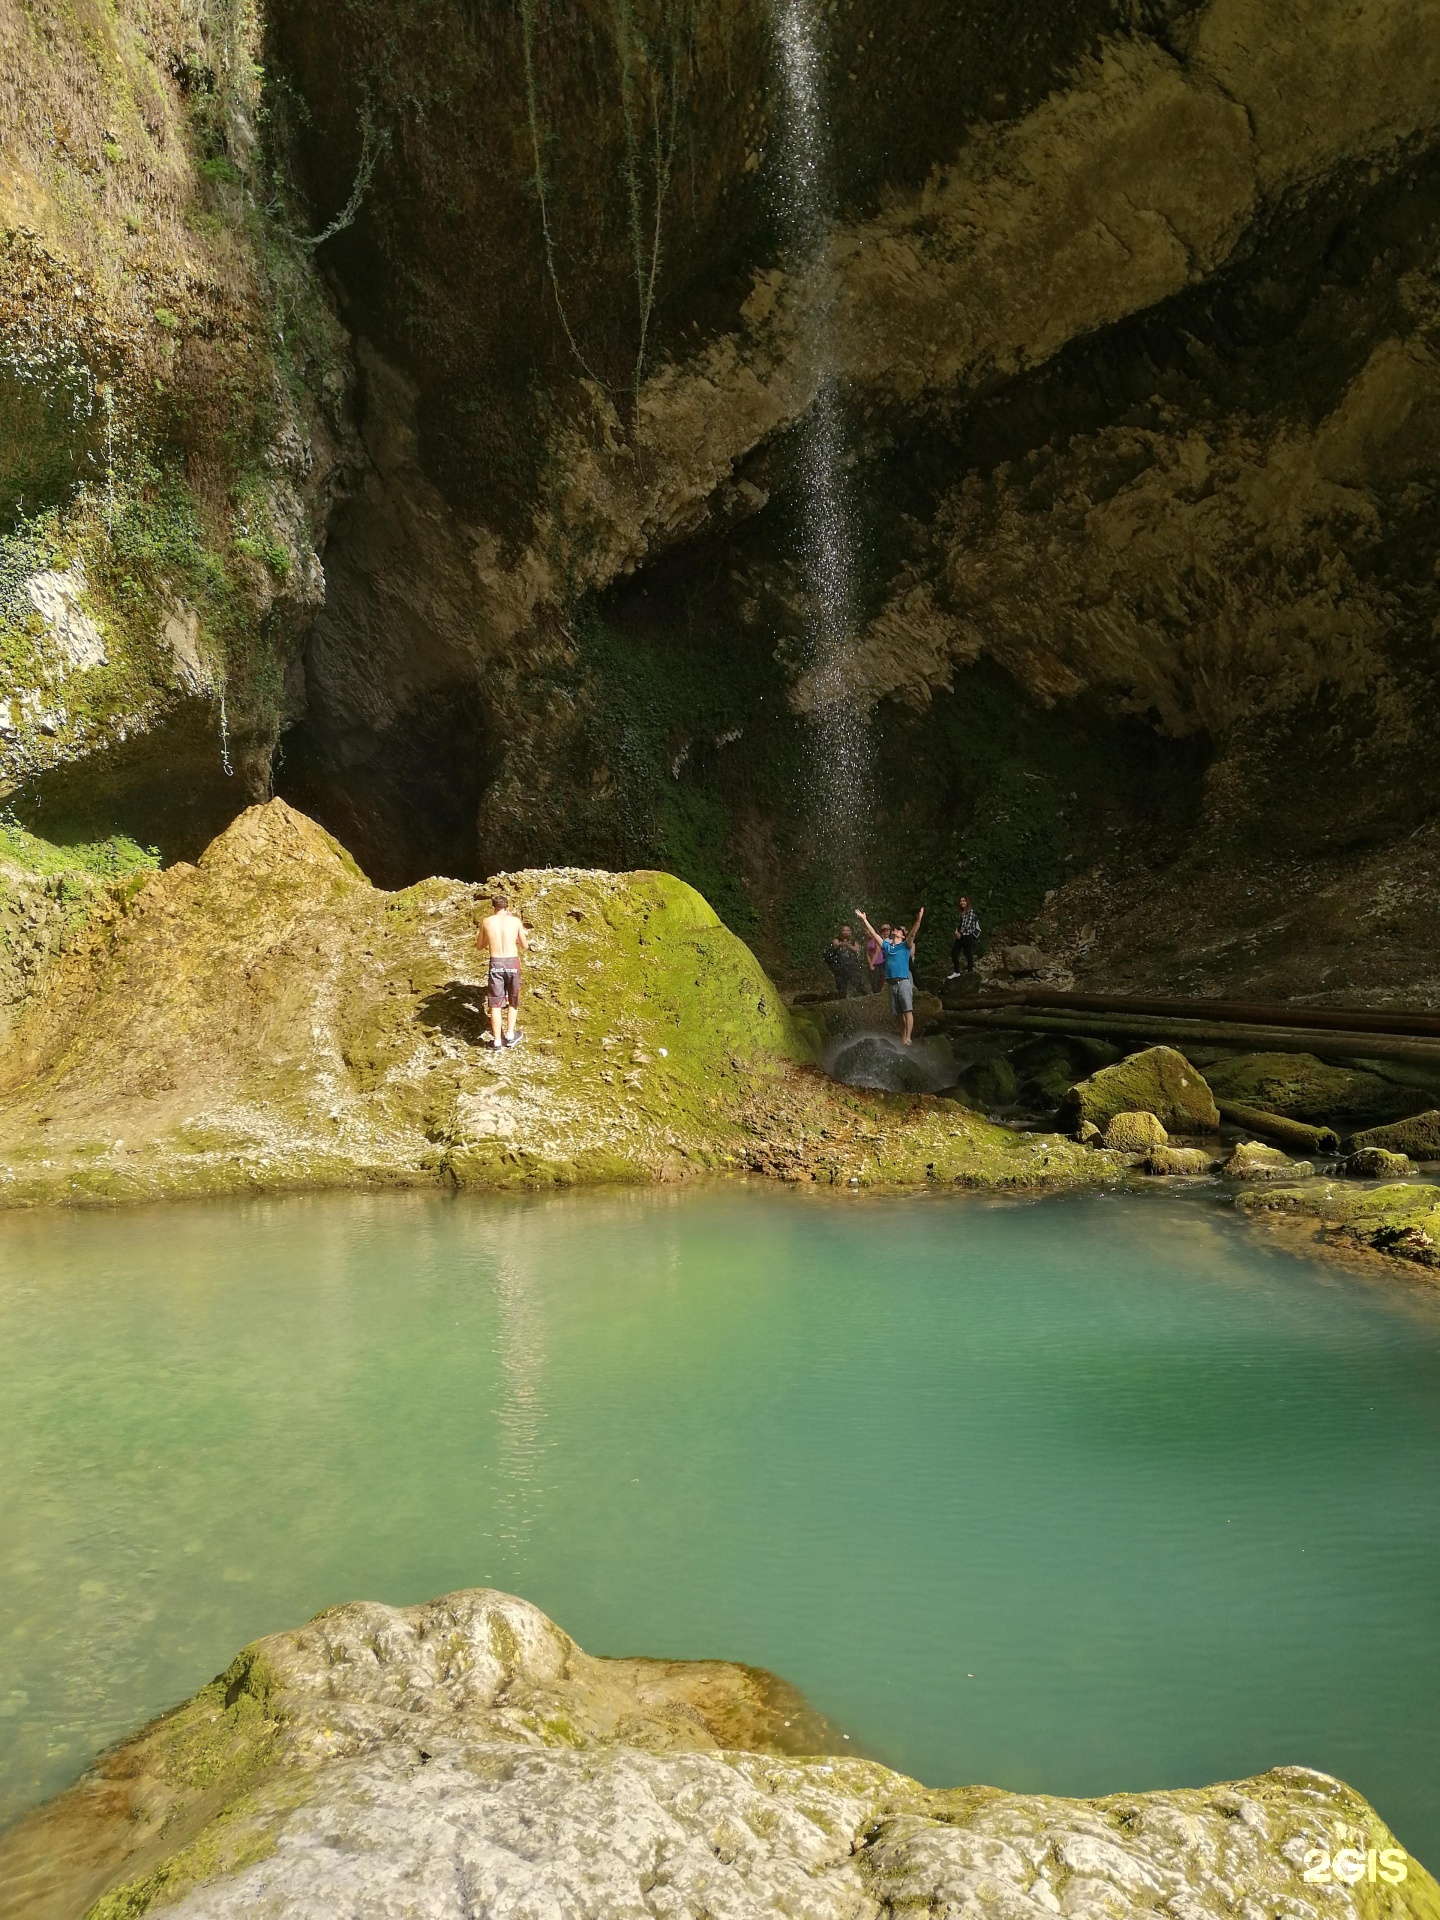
{"points": [[888, 959]]}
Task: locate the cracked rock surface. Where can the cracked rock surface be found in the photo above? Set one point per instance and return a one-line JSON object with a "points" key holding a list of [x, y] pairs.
{"points": [[466, 1758]]}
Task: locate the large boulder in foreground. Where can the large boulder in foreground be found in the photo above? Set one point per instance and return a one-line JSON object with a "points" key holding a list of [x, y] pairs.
{"points": [[1159, 1081], [466, 1759]]}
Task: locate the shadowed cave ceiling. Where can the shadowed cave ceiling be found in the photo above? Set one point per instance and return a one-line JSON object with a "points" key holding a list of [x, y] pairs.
{"points": [[1135, 311]]}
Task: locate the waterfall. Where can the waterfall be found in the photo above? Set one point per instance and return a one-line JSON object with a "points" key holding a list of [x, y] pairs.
{"points": [[840, 742]]}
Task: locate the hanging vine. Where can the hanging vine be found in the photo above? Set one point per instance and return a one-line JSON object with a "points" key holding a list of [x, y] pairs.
{"points": [[656, 72]]}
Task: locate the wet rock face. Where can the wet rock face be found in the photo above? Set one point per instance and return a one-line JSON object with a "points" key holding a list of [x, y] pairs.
{"points": [[467, 1759], [1137, 317]]}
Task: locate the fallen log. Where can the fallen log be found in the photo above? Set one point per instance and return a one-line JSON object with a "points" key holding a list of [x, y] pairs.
{"points": [[1280, 1127], [1397, 1020], [1158, 1030]]}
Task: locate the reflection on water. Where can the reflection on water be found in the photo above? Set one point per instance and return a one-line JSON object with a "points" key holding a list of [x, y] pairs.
{"points": [[521, 1414], [1080, 1495]]}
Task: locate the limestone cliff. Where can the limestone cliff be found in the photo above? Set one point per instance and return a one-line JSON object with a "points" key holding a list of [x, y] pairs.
{"points": [[468, 1758], [1134, 311], [172, 419]]}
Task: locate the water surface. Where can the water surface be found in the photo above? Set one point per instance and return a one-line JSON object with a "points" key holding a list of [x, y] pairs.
{"points": [[1086, 1494]]}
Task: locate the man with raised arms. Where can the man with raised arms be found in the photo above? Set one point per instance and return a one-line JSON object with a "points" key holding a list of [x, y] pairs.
{"points": [[897, 953], [502, 933]]}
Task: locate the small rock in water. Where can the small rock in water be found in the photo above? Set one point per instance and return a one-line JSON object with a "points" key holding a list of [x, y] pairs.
{"points": [[1252, 1161], [1185, 1160], [1374, 1163], [1135, 1133]]}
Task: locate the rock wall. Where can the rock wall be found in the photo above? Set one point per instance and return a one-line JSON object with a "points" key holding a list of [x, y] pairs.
{"points": [[172, 417], [1135, 318]]}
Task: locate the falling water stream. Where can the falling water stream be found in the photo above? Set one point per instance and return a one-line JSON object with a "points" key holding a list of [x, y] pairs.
{"points": [[841, 746]]}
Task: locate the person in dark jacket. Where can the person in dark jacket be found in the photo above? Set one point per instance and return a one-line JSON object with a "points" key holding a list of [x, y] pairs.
{"points": [[846, 965], [967, 939]]}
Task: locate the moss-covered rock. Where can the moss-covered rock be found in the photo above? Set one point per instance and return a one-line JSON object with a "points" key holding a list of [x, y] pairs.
{"points": [[1419, 1136], [1135, 1133], [266, 1019], [991, 1082], [1159, 1080], [1299, 1087], [1188, 1161], [1401, 1222], [1253, 1160], [172, 398], [1048, 1067], [1374, 1163]]}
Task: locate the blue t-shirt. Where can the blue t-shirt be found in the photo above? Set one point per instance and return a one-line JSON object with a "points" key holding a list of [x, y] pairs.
{"points": [[897, 959]]}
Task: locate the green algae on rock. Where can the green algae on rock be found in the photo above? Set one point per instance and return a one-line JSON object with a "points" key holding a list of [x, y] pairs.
{"points": [[1135, 1133], [1158, 1080], [266, 1019], [1297, 1086], [1374, 1163], [1253, 1160], [384, 1757], [1400, 1221], [1188, 1161], [1419, 1136]]}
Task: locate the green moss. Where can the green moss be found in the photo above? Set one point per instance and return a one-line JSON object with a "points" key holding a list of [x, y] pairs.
{"points": [[51, 438], [1158, 1080], [1301, 1087], [229, 1842], [104, 859]]}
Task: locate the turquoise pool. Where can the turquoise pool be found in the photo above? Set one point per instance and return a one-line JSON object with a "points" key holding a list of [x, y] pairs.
{"points": [[1082, 1494]]}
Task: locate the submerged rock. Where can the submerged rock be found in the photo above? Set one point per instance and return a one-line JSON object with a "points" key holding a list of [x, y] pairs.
{"points": [[465, 1760], [1402, 1222], [1419, 1136], [1253, 1161], [1158, 1080], [1135, 1133]]}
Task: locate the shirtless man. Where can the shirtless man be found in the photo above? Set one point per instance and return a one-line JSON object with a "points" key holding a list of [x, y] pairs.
{"points": [[502, 932]]}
